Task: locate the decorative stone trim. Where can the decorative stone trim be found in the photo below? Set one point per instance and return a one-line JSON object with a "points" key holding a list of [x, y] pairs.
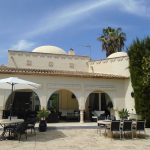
{"points": [[20, 54], [111, 60], [42, 56], [63, 56], [120, 59], [98, 87], [105, 61], [66, 86], [27, 55], [98, 62]]}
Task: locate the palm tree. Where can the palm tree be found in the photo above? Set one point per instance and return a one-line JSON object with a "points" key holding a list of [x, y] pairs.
{"points": [[112, 40]]}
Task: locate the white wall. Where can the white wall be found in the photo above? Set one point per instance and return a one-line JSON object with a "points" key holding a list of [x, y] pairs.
{"points": [[79, 86], [129, 100], [19, 59], [118, 89], [116, 66]]}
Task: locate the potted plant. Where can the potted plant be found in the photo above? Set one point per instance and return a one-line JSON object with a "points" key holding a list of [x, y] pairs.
{"points": [[53, 116], [41, 116], [123, 114]]}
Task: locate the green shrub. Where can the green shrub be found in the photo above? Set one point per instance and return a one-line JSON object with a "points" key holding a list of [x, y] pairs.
{"points": [[123, 114], [42, 114]]}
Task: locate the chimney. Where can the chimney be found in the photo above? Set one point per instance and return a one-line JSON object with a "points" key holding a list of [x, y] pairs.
{"points": [[71, 52]]}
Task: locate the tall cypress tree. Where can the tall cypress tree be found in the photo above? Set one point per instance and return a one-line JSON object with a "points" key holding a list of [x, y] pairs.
{"points": [[139, 65]]}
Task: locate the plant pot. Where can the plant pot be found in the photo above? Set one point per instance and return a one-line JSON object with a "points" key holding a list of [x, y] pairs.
{"points": [[42, 126], [124, 118]]}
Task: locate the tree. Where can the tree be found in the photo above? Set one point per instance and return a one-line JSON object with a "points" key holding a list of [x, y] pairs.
{"points": [[112, 40], [139, 65]]}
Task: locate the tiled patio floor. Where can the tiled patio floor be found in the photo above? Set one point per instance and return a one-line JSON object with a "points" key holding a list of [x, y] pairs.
{"points": [[74, 136]]}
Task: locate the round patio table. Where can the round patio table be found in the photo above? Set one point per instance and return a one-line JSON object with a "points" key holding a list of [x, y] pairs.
{"points": [[7, 122], [12, 121]]}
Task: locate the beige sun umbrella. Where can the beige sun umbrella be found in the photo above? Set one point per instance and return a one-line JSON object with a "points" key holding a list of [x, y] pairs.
{"points": [[16, 83]]}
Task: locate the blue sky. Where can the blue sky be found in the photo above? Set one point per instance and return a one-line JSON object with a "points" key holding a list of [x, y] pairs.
{"points": [[27, 24]]}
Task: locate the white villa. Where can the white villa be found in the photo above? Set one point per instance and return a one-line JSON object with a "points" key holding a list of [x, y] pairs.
{"points": [[72, 85]]}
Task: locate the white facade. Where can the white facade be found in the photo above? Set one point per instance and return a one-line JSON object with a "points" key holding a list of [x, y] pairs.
{"points": [[37, 60], [78, 74]]}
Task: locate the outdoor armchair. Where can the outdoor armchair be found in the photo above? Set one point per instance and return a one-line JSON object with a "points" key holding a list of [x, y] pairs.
{"points": [[140, 126], [31, 124], [115, 127], [97, 114], [99, 126], [20, 130], [7, 133], [102, 117], [127, 127]]}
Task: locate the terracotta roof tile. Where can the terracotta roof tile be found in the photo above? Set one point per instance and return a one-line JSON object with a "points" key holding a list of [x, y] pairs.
{"points": [[42, 72]]}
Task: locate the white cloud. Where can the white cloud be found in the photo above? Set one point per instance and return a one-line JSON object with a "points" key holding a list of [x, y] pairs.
{"points": [[23, 45], [68, 15], [137, 7]]}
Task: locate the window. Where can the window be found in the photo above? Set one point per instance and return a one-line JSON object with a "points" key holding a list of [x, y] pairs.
{"points": [[29, 63], [98, 101], [51, 64], [71, 65]]}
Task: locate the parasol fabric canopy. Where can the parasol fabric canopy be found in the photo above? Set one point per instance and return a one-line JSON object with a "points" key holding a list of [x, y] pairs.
{"points": [[16, 83]]}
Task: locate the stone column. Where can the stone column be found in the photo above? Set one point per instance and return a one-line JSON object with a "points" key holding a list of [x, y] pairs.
{"points": [[81, 100], [43, 101], [1, 114], [81, 116]]}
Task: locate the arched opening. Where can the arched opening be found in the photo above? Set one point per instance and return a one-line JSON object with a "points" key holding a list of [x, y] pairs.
{"points": [[25, 103], [98, 103], [63, 106]]}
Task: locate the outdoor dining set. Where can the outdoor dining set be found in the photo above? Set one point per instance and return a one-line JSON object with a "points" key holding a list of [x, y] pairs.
{"points": [[122, 127], [14, 128]]}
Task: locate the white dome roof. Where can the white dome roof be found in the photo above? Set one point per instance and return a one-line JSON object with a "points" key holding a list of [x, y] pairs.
{"points": [[49, 49], [118, 54]]}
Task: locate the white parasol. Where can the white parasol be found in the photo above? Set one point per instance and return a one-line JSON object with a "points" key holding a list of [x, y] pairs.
{"points": [[16, 83]]}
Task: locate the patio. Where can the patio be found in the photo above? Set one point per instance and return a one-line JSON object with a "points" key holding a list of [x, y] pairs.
{"points": [[74, 136]]}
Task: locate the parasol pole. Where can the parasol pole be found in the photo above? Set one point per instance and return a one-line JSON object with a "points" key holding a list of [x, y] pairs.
{"points": [[11, 100]]}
